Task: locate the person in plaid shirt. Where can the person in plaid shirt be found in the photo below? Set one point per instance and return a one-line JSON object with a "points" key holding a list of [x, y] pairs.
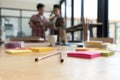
{"points": [[38, 22]]}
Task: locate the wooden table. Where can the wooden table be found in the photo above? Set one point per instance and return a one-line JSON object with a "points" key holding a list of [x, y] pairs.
{"points": [[23, 67]]}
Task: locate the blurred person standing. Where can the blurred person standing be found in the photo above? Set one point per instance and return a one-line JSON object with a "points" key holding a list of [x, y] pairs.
{"points": [[38, 22], [58, 27]]}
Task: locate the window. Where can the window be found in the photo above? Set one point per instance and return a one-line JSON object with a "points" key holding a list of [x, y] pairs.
{"points": [[26, 30], [114, 20], [112, 30], [69, 36], [90, 10], [77, 12], [68, 13], [14, 22], [63, 9], [10, 27], [118, 33], [90, 14], [28, 13], [8, 12], [77, 36], [114, 13]]}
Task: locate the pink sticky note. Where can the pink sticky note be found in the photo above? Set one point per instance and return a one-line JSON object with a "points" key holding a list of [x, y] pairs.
{"points": [[84, 54]]}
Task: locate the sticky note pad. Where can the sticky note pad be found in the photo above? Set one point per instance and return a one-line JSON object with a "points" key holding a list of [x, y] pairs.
{"points": [[97, 43], [41, 49], [85, 49], [94, 44], [84, 54], [18, 51], [106, 53]]}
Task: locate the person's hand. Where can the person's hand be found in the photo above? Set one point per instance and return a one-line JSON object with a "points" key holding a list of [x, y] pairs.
{"points": [[51, 25], [54, 27], [38, 24]]}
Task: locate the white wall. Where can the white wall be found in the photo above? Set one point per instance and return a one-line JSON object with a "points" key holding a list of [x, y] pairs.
{"points": [[17, 4], [27, 4]]}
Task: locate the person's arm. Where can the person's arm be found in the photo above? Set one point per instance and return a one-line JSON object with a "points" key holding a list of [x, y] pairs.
{"points": [[34, 23], [51, 25], [60, 22], [45, 24]]}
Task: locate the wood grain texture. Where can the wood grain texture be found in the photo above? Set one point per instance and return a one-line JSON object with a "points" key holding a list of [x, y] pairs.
{"points": [[23, 67]]}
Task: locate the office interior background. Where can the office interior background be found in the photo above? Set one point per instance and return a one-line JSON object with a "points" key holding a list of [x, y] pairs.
{"points": [[15, 14]]}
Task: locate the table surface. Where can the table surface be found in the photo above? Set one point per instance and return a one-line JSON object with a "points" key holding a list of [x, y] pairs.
{"points": [[23, 67]]}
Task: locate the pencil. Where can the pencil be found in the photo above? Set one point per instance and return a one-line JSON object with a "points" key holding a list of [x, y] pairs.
{"points": [[49, 55], [61, 58]]}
